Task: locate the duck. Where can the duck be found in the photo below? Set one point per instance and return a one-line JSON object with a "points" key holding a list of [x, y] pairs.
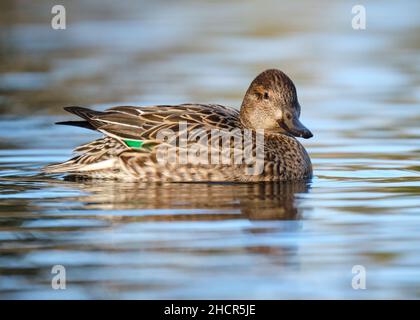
{"points": [[195, 142]]}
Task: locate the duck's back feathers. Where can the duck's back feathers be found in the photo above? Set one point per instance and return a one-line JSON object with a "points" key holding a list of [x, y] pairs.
{"points": [[135, 130], [144, 122]]}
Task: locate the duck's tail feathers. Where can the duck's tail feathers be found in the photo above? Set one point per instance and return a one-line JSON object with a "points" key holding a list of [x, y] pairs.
{"points": [[100, 154], [82, 124], [74, 166], [84, 113]]}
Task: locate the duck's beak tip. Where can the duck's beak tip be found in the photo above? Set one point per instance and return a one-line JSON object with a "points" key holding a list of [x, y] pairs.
{"points": [[306, 134], [296, 128]]}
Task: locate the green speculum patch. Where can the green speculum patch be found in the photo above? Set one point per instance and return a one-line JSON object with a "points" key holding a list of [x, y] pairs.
{"points": [[136, 144]]}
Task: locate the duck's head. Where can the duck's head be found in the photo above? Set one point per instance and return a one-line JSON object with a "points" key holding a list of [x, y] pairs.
{"points": [[271, 103]]}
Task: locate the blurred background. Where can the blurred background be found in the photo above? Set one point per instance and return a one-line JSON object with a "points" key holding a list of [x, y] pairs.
{"points": [[204, 51], [360, 96]]}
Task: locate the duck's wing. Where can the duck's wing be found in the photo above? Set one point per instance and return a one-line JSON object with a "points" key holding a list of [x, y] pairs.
{"points": [[145, 123], [131, 133]]}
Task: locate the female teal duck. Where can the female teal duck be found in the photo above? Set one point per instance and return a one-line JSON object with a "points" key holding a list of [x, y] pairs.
{"points": [[198, 142]]}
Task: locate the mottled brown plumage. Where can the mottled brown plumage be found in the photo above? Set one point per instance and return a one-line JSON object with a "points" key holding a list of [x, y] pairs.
{"points": [[135, 139]]}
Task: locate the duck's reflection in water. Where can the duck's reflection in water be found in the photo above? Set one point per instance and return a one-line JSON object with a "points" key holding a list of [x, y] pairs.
{"points": [[195, 232], [194, 201]]}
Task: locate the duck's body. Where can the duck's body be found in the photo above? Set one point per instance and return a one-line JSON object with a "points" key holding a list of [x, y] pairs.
{"points": [[184, 143]]}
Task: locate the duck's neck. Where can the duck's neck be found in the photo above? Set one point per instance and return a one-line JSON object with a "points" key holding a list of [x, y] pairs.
{"points": [[256, 119], [243, 118], [246, 116]]}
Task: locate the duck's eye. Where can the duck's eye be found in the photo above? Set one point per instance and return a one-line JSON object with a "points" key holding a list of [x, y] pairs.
{"points": [[266, 96]]}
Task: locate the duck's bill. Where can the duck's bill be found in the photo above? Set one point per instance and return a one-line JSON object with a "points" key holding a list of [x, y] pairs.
{"points": [[295, 128]]}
